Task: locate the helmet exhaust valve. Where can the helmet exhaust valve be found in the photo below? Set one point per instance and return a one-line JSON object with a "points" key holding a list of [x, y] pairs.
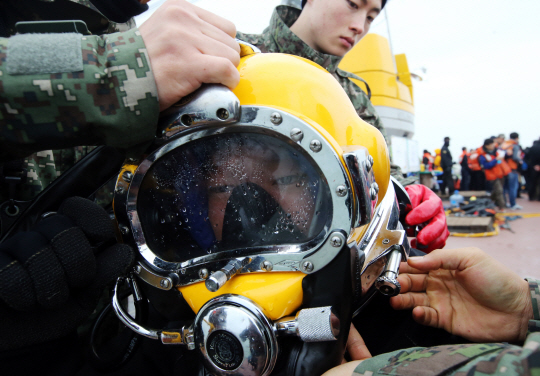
{"points": [[387, 283]]}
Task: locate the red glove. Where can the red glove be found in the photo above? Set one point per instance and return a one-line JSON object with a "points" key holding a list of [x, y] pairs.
{"points": [[427, 208]]}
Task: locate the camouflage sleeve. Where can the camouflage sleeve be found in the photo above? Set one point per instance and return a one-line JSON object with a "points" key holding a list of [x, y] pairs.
{"points": [[112, 101], [458, 360], [534, 324]]}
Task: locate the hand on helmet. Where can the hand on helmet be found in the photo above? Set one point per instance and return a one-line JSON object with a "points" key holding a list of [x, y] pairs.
{"points": [[189, 46], [427, 208], [52, 276]]}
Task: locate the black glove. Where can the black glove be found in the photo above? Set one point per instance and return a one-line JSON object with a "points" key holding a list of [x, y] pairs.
{"points": [[52, 277]]}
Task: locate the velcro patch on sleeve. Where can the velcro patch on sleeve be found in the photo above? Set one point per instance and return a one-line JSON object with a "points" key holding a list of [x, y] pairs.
{"points": [[44, 53]]}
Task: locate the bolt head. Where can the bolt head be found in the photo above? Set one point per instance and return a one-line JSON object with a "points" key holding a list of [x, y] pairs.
{"points": [[368, 166], [267, 266], [373, 193], [297, 135], [375, 187], [127, 176], [276, 118], [307, 266], [222, 114], [315, 146], [138, 269], [124, 229], [203, 273], [165, 283], [386, 241], [119, 189], [336, 241], [341, 190]]}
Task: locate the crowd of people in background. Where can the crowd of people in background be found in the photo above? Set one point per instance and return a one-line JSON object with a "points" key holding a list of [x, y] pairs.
{"points": [[499, 166]]}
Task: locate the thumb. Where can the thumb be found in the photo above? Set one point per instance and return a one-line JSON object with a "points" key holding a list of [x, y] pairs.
{"points": [[356, 346], [448, 259]]}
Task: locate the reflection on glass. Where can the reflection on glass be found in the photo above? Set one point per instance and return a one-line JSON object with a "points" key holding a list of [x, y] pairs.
{"points": [[231, 191]]}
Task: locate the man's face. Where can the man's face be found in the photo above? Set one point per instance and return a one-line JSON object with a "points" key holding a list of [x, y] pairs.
{"points": [[337, 25], [490, 147], [273, 172]]}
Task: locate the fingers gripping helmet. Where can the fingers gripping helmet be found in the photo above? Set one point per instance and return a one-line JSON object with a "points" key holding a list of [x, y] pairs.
{"points": [[263, 217]]}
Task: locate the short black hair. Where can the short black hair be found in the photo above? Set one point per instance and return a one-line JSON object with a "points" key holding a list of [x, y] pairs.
{"points": [[425, 151], [383, 3], [514, 135], [488, 141], [447, 139], [464, 148]]}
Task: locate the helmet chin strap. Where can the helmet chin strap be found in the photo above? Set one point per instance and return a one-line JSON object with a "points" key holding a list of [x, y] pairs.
{"points": [[253, 217]]}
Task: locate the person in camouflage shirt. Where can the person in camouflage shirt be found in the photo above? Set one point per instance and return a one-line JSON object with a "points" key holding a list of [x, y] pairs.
{"points": [[64, 90], [301, 32], [470, 294], [44, 166], [278, 37]]}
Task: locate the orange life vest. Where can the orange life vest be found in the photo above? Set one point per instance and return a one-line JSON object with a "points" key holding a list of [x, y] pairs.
{"points": [[430, 161], [496, 172], [462, 155], [508, 147], [473, 162]]}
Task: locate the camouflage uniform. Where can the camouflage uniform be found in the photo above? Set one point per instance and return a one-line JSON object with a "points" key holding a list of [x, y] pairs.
{"points": [[277, 37], [112, 100], [464, 360]]}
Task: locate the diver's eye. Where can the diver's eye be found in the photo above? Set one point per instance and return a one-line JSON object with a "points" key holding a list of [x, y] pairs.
{"points": [[221, 189], [290, 179], [352, 4]]}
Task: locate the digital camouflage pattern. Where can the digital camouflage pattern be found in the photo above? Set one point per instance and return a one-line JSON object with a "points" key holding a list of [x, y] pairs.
{"points": [[278, 37], [112, 101], [464, 360], [534, 325]]}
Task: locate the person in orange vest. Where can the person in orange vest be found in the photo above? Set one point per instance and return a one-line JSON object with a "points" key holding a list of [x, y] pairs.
{"points": [[491, 162], [513, 159], [465, 170], [428, 160]]}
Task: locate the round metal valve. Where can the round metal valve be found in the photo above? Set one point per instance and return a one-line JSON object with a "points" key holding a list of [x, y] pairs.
{"points": [[235, 338]]}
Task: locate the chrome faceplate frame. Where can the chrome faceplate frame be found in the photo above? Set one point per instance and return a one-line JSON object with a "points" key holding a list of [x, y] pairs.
{"points": [[308, 257]]}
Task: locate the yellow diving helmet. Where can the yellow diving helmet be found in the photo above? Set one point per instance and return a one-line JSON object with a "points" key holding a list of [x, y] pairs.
{"points": [[263, 218]]}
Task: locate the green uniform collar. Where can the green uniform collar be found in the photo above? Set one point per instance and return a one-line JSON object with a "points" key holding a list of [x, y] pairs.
{"points": [[282, 19]]}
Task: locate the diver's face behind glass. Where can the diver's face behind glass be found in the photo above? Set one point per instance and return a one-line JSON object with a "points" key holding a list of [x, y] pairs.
{"points": [[231, 191], [263, 181]]}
